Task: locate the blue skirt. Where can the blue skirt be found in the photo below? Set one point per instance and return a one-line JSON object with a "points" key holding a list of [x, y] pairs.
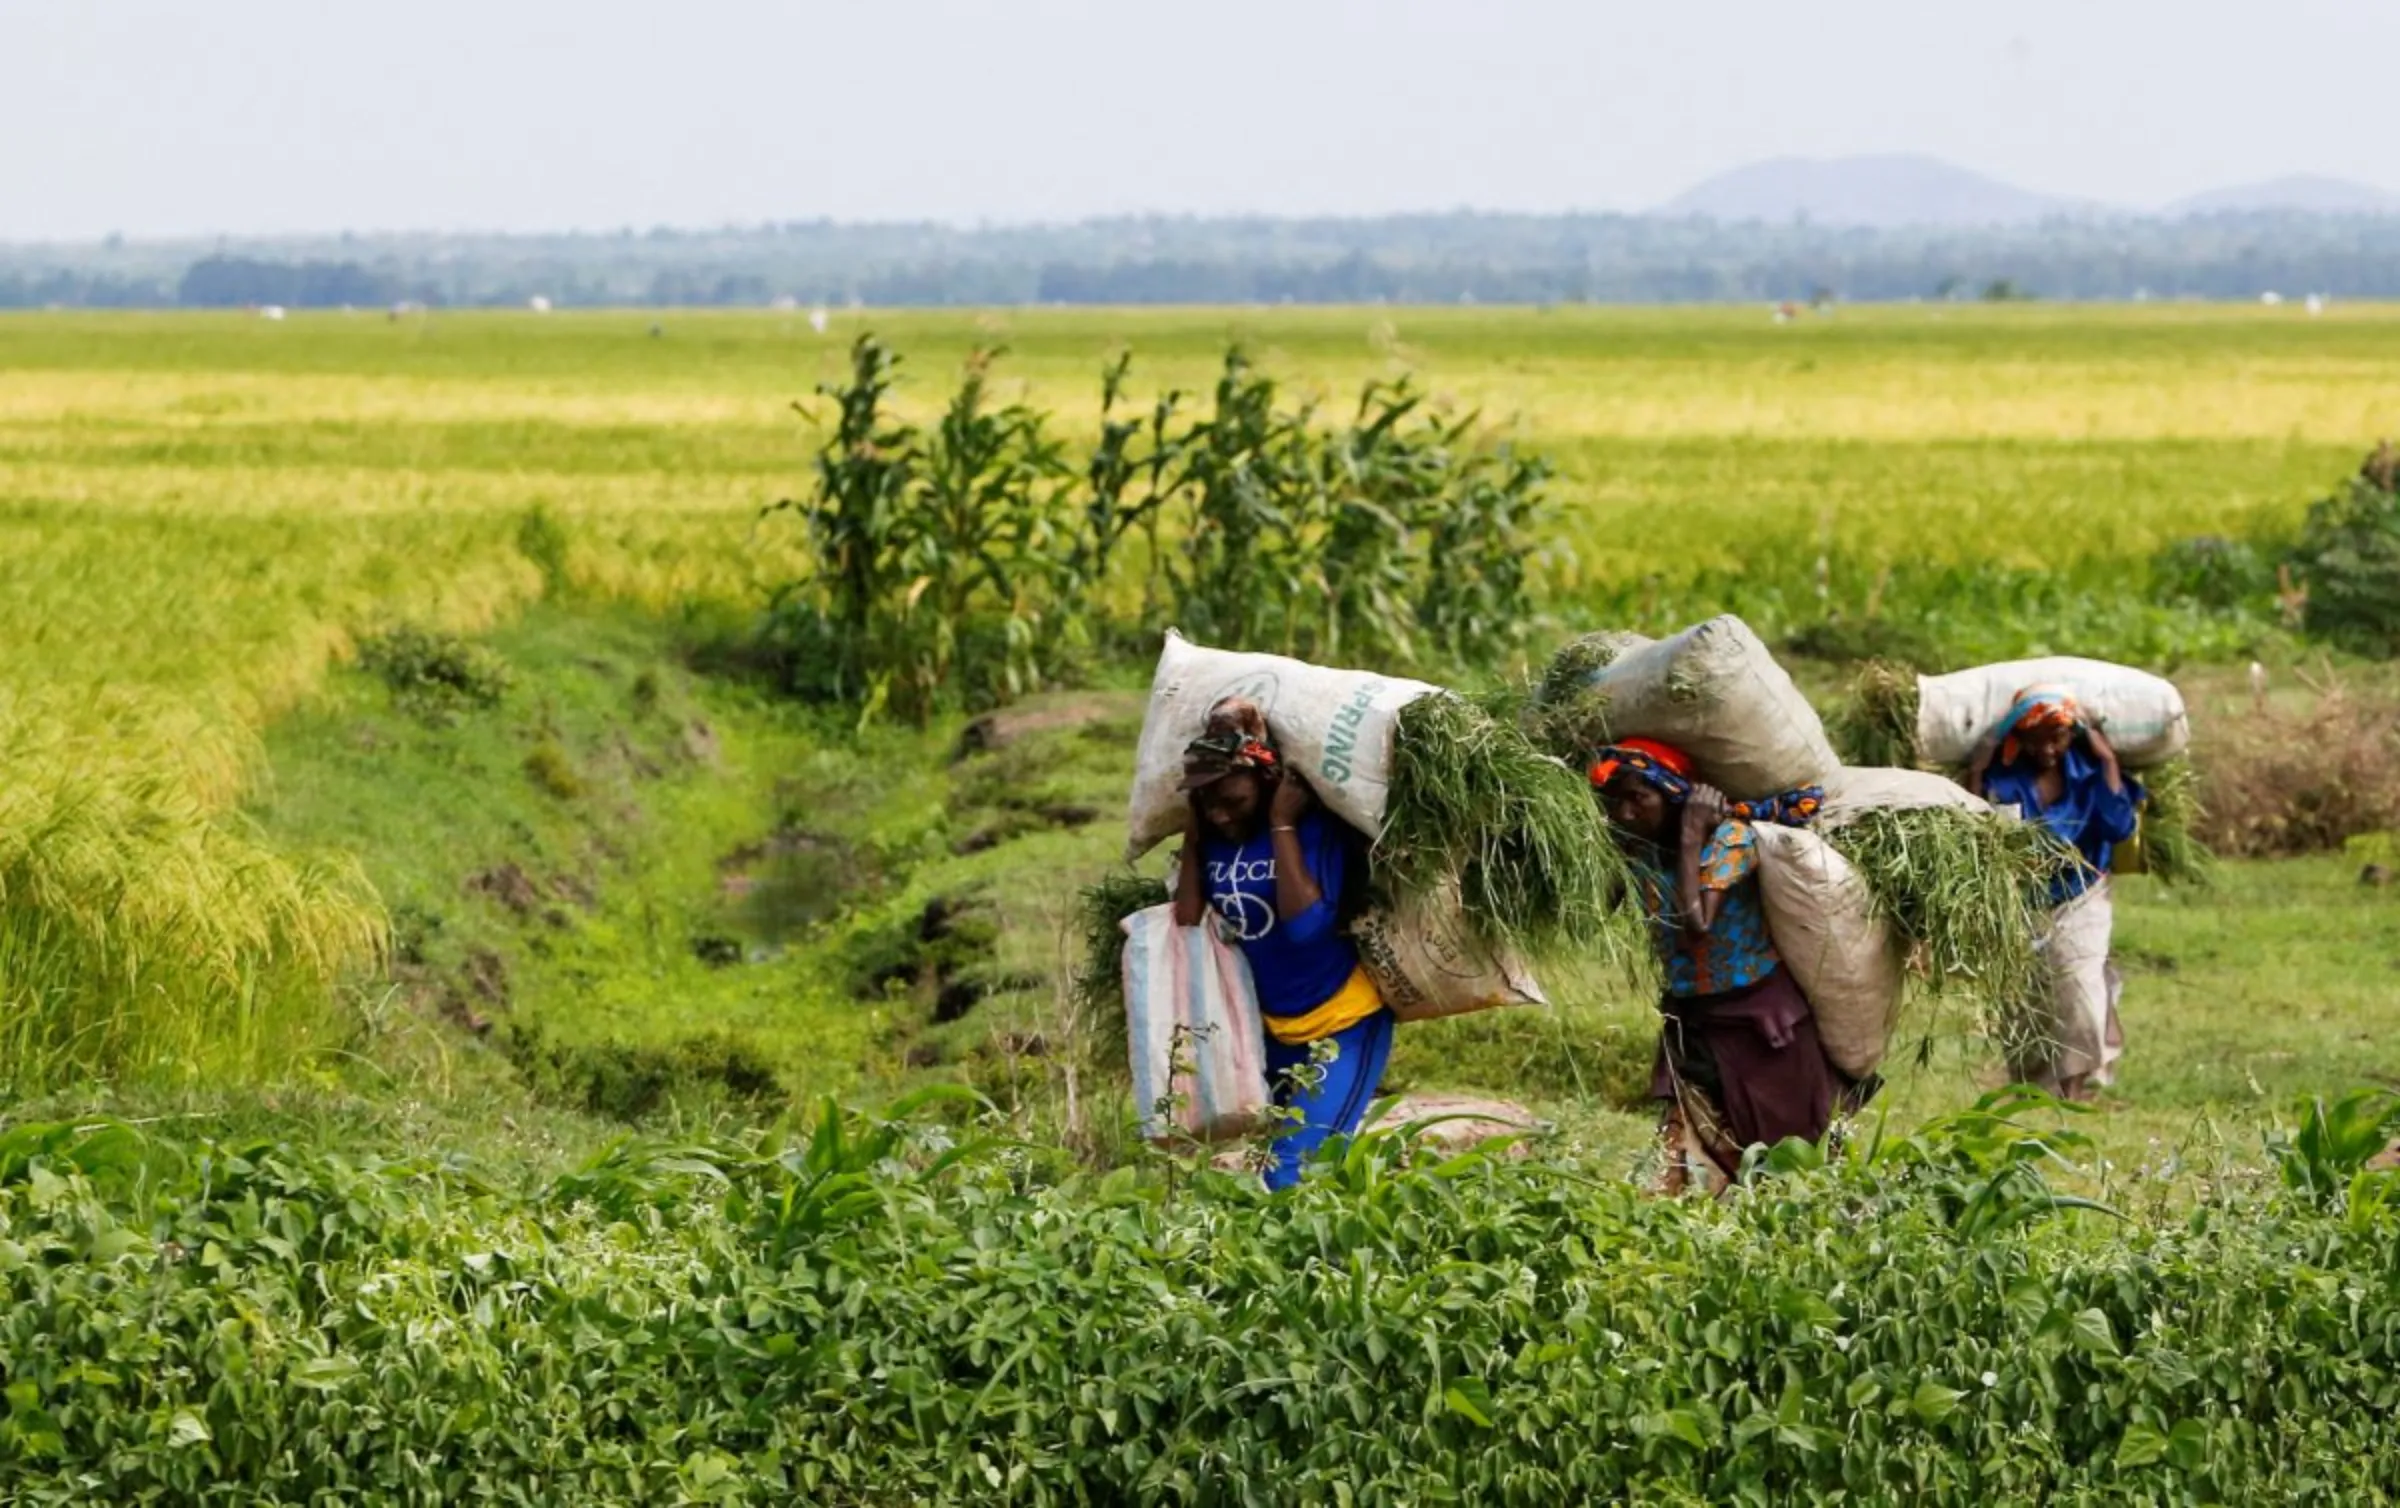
{"points": [[1337, 1105]]}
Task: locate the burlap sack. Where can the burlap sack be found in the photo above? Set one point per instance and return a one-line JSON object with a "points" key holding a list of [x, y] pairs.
{"points": [[1715, 692], [1841, 952], [1426, 962]]}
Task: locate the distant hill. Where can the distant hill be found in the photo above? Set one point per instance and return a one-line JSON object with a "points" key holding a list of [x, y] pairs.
{"points": [[1880, 191], [2301, 193]]}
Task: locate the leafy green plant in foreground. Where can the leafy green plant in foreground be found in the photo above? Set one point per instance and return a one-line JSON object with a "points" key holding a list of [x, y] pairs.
{"points": [[2333, 1151], [890, 1310]]}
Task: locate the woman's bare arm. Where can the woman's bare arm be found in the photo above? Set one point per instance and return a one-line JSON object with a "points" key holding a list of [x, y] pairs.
{"points": [[1296, 888], [1191, 886], [1702, 811]]}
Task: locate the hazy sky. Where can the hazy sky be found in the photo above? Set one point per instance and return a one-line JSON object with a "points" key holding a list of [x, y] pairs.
{"points": [[248, 116]]}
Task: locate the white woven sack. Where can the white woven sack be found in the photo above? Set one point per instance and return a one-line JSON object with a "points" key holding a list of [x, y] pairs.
{"points": [[1333, 726], [1854, 790], [2142, 714]]}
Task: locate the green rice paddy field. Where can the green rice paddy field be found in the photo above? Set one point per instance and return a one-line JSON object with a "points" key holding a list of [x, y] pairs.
{"points": [[409, 1108], [200, 515]]}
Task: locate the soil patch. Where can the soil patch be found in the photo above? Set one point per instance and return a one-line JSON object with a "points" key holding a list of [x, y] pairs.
{"points": [[1465, 1122], [469, 995], [508, 884], [1468, 1120], [997, 730], [700, 744]]}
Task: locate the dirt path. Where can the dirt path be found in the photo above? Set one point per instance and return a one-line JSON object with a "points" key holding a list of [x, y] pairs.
{"points": [[1465, 1122]]}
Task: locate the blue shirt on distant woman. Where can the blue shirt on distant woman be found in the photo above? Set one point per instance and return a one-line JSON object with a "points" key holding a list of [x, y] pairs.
{"points": [[2087, 816]]}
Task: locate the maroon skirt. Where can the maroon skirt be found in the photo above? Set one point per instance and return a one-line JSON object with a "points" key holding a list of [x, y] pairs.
{"points": [[1753, 1055]]}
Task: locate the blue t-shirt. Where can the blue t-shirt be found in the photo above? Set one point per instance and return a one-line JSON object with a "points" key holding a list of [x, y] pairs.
{"points": [[2088, 817], [1301, 962]]}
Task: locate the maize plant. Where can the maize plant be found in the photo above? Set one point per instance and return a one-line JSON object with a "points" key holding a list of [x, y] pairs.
{"points": [[971, 562]]}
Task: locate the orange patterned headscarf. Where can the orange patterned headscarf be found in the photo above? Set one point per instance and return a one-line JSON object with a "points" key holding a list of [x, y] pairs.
{"points": [[2036, 708], [1662, 766]]}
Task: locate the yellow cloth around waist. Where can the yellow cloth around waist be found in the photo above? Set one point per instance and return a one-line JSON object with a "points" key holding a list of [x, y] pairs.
{"points": [[1354, 1002]]}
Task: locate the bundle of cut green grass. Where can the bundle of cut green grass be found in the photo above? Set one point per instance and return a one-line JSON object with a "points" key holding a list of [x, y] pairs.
{"points": [[1473, 800], [1875, 725], [2168, 846], [1967, 891]]}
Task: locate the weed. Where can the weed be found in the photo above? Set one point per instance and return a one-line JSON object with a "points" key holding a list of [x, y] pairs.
{"points": [[542, 539], [2348, 558], [435, 676], [2272, 783], [2333, 1152], [633, 1081], [552, 769]]}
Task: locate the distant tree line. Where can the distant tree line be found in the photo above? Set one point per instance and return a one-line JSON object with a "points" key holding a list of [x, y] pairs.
{"points": [[241, 282], [1397, 259], [70, 288]]}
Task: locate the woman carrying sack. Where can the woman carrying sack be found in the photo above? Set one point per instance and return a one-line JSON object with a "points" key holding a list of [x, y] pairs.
{"points": [[1738, 1058], [1277, 869], [2050, 763]]}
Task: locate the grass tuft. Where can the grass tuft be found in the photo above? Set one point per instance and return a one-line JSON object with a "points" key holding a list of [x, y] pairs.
{"points": [[1099, 983], [435, 676], [2171, 850], [1875, 724]]}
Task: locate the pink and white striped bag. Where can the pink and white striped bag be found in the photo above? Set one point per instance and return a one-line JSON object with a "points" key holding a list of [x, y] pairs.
{"points": [[1192, 1030]]}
